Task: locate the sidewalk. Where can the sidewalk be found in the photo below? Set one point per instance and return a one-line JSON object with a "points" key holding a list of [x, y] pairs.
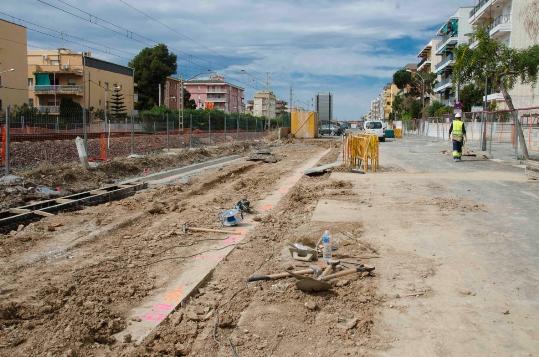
{"points": [[458, 271]]}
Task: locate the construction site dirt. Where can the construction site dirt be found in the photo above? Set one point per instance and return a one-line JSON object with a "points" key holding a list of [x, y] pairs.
{"points": [[70, 177], [69, 280]]}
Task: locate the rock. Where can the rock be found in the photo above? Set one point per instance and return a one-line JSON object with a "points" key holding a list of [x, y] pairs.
{"points": [[506, 312], [347, 324], [10, 180], [341, 283], [226, 321], [156, 208], [127, 338], [51, 228], [193, 316], [311, 305], [465, 292], [181, 349], [20, 227]]}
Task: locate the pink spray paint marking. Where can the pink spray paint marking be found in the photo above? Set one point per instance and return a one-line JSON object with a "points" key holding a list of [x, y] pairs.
{"points": [[265, 208], [232, 240]]}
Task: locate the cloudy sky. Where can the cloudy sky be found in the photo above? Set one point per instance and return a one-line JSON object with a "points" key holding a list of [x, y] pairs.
{"points": [[350, 48]]}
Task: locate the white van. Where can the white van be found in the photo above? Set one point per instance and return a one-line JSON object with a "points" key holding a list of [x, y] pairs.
{"points": [[375, 127]]}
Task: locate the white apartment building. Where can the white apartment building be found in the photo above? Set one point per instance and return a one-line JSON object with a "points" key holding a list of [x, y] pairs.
{"points": [[509, 21], [428, 62], [377, 109], [452, 33], [264, 103]]}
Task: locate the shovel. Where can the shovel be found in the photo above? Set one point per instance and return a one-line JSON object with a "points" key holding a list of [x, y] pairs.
{"points": [[308, 284]]}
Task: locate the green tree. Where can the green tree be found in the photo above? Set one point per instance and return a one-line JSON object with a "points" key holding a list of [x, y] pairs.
{"points": [[498, 64], [117, 106], [188, 103], [402, 78], [152, 66], [471, 95]]}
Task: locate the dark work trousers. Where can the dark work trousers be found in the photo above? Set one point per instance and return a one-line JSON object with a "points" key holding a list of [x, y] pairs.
{"points": [[457, 148]]}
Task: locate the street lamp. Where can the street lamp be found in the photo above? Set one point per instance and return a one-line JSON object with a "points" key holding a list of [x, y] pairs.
{"points": [[422, 91]]}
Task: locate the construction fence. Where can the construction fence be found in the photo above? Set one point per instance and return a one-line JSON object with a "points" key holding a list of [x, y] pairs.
{"points": [[361, 151], [29, 140], [487, 131]]}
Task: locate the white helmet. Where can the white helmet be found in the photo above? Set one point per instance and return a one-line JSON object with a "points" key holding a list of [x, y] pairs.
{"points": [[458, 115]]}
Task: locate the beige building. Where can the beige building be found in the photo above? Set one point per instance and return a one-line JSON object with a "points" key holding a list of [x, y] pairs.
{"points": [[13, 67], [57, 75], [388, 95], [264, 104], [515, 23]]}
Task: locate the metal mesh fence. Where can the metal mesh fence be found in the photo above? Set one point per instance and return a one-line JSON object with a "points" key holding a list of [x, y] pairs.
{"points": [[487, 131], [34, 138]]}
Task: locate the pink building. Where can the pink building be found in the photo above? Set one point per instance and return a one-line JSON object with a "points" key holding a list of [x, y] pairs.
{"points": [[215, 93]]}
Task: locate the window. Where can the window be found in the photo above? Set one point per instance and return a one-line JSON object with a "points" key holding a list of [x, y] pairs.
{"points": [[30, 82], [1, 105], [55, 62], [374, 125]]}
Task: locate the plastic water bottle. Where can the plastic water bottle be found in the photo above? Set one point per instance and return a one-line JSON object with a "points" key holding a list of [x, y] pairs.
{"points": [[326, 253]]}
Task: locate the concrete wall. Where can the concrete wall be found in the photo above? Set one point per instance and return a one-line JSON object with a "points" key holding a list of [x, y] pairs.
{"points": [[13, 55]]}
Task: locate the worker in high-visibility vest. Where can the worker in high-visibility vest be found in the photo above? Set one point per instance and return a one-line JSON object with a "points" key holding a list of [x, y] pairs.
{"points": [[457, 132]]}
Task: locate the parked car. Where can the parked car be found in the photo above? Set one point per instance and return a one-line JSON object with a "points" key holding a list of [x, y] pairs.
{"points": [[375, 127], [330, 129]]}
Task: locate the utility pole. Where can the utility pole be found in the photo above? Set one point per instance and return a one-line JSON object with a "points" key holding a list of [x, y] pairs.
{"points": [[290, 105], [180, 107], [484, 126], [159, 103]]}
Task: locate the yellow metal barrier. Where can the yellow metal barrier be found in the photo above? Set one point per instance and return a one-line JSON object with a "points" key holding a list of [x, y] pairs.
{"points": [[398, 133], [361, 150]]}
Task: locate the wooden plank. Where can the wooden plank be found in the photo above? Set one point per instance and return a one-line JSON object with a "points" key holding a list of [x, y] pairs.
{"points": [[19, 210], [43, 213]]}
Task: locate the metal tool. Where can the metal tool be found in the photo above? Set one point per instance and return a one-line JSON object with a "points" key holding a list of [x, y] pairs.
{"points": [[331, 267], [311, 270], [302, 252], [186, 229], [308, 284]]}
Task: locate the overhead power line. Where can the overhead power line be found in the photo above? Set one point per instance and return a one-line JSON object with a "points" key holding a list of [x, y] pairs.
{"points": [[65, 35], [117, 29]]}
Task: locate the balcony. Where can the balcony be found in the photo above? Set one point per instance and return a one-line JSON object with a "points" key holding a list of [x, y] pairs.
{"points": [[443, 85], [61, 89], [424, 65], [217, 90], [52, 109], [500, 26], [446, 62], [58, 69], [448, 40], [216, 99], [485, 9]]}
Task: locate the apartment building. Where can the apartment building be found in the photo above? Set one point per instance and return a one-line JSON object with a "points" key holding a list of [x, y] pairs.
{"points": [[216, 93], [388, 95], [264, 104], [453, 32], [172, 93], [60, 75], [377, 109], [13, 66], [324, 107], [428, 59], [281, 108], [508, 21], [250, 106]]}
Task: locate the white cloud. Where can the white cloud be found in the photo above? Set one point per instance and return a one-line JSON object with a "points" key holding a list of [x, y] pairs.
{"points": [[319, 45]]}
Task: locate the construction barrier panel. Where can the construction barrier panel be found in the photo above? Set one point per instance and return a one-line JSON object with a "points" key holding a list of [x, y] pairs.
{"points": [[398, 133], [361, 151], [304, 125]]}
